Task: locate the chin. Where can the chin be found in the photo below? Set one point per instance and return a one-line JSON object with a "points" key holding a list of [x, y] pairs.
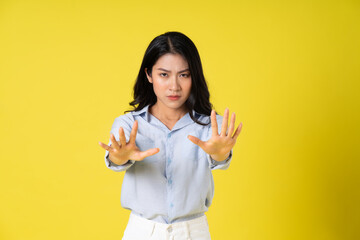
{"points": [[175, 105]]}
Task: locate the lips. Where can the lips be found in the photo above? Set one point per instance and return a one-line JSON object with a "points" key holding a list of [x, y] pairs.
{"points": [[173, 97]]}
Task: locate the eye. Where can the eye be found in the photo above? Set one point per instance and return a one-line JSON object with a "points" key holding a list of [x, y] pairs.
{"points": [[185, 75], [163, 74]]}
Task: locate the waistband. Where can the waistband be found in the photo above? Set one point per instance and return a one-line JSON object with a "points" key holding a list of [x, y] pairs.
{"points": [[177, 226], [160, 219]]}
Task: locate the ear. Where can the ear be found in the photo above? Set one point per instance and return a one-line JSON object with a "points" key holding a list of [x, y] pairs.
{"points": [[148, 77]]}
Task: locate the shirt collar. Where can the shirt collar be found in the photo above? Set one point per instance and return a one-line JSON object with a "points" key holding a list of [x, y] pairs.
{"points": [[144, 109], [185, 120]]}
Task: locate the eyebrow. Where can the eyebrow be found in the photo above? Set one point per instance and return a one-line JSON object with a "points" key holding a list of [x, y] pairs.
{"points": [[162, 69]]}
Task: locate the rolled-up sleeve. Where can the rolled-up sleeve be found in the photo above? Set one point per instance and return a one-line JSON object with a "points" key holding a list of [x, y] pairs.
{"points": [[219, 164], [115, 131]]}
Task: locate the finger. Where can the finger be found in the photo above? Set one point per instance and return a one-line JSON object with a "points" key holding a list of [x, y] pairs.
{"points": [[224, 124], [196, 141], [114, 143], [133, 132], [214, 126], [237, 132], [122, 137], [232, 125], [106, 147]]}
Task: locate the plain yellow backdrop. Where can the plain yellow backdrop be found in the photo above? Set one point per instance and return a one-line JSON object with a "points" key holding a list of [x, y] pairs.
{"points": [[288, 69]]}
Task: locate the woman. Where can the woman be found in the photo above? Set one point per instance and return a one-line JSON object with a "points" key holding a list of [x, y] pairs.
{"points": [[168, 146]]}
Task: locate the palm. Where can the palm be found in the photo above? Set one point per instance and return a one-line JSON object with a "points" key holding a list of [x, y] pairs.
{"points": [[219, 144], [123, 151], [129, 151]]}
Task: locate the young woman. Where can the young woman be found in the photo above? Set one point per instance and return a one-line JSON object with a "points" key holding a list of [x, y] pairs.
{"points": [[169, 144]]}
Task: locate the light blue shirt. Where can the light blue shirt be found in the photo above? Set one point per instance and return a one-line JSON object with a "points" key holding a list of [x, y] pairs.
{"points": [[176, 184]]}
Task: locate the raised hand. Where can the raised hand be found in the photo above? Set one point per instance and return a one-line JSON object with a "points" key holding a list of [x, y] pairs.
{"points": [[219, 146], [122, 151]]}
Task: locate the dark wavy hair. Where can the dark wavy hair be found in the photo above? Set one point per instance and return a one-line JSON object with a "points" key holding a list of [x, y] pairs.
{"points": [[176, 43]]}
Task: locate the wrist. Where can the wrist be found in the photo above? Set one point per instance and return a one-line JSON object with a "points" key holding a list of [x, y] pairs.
{"points": [[117, 161], [220, 157]]}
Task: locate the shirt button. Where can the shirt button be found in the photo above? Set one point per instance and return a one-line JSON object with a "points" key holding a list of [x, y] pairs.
{"points": [[171, 205], [169, 135], [170, 229], [170, 181]]}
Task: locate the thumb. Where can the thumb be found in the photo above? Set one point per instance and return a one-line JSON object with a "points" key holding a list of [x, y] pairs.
{"points": [[147, 153], [196, 140]]}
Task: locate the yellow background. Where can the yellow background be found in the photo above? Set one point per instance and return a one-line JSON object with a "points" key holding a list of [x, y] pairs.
{"points": [[288, 69]]}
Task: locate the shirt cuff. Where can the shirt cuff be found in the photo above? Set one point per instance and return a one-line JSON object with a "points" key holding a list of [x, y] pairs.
{"points": [[219, 164], [115, 167]]}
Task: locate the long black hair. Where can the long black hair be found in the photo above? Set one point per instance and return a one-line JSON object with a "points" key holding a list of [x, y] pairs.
{"points": [[176, 43]]}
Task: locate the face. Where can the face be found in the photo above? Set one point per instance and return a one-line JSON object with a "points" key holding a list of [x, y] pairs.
{"points": [[171, 77]]}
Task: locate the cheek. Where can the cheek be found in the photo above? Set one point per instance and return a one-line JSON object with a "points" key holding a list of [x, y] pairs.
{"points": [[187, 85], [158, 87]]}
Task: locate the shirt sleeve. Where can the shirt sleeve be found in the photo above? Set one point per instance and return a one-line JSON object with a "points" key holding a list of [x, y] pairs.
{"points": [[115, 131], [218, 164]]}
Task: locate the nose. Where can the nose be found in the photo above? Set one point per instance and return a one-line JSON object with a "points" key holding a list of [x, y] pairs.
{"points": [[174, 84]]}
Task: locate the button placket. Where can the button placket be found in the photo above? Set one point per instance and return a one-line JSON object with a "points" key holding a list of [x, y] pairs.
{"points": [[169, 153]]}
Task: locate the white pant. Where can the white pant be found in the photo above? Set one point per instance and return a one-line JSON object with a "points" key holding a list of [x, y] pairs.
{"points": [[139, 228]]}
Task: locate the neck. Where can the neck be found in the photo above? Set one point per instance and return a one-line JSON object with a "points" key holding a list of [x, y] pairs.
{"points": [[167, 114]]}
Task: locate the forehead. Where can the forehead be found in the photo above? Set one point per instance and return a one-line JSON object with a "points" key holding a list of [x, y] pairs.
{"points": [[171, 61]]}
